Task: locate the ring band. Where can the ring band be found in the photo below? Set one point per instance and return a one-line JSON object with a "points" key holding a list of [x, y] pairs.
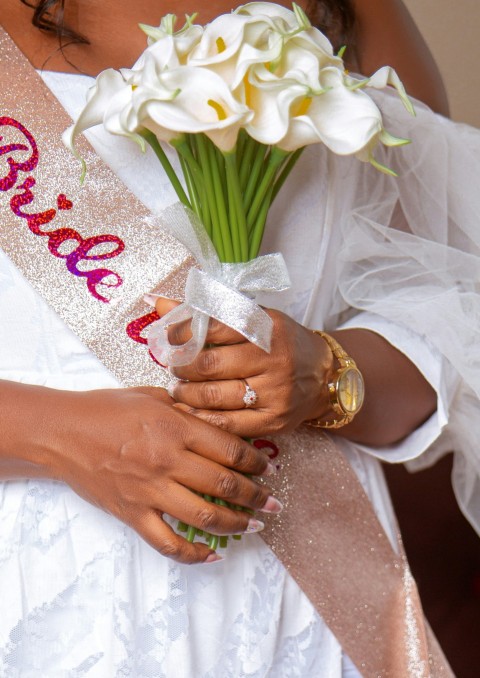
{"points": [[250, 396]]}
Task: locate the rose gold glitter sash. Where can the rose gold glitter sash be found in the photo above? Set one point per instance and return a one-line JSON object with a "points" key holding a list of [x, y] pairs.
{"points": [[90, 253]]}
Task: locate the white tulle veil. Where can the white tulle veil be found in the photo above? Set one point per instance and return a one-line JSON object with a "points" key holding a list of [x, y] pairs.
{"points": [[410, 254]]}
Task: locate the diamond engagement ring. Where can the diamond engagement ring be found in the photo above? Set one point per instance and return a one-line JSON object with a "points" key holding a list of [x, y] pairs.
{"points": [[250, 396]]}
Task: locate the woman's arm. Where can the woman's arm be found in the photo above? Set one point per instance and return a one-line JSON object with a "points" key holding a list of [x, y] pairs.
{"points": [[131, 453], [387, 34], [399, 398]]}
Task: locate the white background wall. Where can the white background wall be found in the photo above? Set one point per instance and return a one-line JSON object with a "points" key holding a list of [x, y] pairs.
{"points": [[452, 31]]}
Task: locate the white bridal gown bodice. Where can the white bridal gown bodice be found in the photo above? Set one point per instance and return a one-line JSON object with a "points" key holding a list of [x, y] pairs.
{"points": [[81, 594]]}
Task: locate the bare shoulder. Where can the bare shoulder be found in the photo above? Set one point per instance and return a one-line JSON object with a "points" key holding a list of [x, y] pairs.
{"points": [[387, 34]]}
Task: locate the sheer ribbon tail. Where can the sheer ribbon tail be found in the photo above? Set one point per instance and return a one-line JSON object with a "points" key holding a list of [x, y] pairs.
{"points": [[224, 291]]}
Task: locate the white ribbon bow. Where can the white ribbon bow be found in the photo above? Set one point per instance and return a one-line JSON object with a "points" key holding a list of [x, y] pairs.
{"points": [[225, 292]]}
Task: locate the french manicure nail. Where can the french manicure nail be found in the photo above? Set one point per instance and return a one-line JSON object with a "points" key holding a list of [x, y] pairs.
{"points": [[151, 299], [272, 505], [270, 470], [254, 525], [213, 558]]}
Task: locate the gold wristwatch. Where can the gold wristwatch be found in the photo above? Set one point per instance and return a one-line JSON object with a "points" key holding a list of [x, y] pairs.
{"points": [[346, 389]]}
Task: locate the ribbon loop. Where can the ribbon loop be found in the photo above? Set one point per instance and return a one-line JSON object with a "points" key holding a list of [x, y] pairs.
{"points": [[219, 301], [224, 291]]}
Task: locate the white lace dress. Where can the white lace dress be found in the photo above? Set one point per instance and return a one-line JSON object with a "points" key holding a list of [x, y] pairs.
{"points": [[81, 594]]}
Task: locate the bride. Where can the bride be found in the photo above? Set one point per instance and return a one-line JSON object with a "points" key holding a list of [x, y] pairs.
{"points": [[94, 581]]}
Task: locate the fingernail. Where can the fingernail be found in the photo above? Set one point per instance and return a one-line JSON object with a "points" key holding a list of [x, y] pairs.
{"points": [[270, 470], [213, 558], [272, 505], [254, 525], [151, 299]]}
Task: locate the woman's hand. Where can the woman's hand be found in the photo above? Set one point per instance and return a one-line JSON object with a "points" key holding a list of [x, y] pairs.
{"points": [[131, 453], [289, 381]]}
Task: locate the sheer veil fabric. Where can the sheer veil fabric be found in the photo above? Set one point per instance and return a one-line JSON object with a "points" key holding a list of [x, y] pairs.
{"points": [[424, 272]]}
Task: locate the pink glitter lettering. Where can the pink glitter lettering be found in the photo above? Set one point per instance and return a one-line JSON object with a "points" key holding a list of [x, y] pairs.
{"points": [[136, 327], [83, 252], [268, 446], [29, 165]]}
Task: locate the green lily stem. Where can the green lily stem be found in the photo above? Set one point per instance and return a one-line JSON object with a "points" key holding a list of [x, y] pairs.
{"points": [[277, 157], [237, 211], [258, 229], [182, 146], [221, 169], [221, 199], [241, 140], [245, 160], [256, 169], [217, 231], [232, 223], [212, 540], [153, 142], [290, 164], [197, 197], [191, 188], [191, 533]]}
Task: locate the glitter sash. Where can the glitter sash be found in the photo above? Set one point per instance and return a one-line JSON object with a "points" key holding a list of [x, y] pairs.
{"points": [[92, 254]]}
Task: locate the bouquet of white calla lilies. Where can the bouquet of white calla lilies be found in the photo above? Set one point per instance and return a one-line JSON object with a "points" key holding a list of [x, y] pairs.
{"points": [[260, 76], [239, 100]]}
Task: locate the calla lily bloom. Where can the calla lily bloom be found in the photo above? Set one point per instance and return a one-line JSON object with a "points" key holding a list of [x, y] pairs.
{"points": [[199, 101], [231, 44], [284, 19], [180, 42], [291, 25], [109, 102], [388, 76], [293, 115]]}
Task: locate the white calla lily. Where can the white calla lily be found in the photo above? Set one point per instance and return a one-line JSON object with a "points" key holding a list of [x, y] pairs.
{"points": [[344, 120], [284, 19], [275, 98], [109, 102], [163, 52], [272, 121], [292, 25], [388, 76], [254, 34], [189, 100], [180, 42], [231, 44], [295, 64]]}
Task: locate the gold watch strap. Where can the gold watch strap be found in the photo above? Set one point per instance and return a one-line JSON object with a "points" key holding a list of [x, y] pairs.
{"points": [[342, 356], [340, 418]]}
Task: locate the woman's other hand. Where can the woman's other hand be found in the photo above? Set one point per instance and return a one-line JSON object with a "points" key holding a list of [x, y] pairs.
{"points": [[133, 454], [289, 381]]}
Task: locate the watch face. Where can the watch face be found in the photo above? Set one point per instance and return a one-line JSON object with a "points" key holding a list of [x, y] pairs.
{"points": [[350, 390]]}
